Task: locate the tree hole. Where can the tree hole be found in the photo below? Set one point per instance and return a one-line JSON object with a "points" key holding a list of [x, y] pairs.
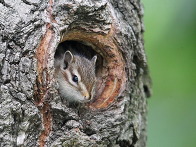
{"points": [[146, 90], [79, 47]]}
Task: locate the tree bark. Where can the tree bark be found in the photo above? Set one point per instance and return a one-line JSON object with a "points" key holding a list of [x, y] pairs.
{"points": [[31, 111]]}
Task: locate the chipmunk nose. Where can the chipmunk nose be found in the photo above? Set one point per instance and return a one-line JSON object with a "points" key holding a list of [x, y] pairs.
{"points": [[86, 95]]}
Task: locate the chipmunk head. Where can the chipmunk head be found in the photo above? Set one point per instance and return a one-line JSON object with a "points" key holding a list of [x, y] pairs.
{"points": [[77, 77]]}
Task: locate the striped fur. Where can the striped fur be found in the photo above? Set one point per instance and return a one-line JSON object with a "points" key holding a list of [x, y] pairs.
{"points": [[84, 69]]}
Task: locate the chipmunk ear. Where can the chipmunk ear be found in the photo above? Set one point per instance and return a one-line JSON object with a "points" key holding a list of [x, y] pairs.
{"points": [[68, 58], [94, 59]]}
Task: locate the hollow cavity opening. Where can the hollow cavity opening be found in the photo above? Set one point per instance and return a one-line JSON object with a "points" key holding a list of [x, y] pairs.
{"points": [[79, 47]]}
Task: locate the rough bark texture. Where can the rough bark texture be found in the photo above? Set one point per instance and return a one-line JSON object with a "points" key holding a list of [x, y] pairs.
{"points": [[31, 111]]}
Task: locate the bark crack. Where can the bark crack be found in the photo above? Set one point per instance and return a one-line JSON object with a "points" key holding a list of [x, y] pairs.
{"points": [[44, 79]]}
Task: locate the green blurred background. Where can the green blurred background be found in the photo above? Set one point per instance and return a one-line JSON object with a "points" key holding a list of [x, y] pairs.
{"points": [[170, 42]]}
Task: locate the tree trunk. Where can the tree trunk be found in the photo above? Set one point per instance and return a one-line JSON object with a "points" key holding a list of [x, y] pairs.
{"points": [[31, 111]]}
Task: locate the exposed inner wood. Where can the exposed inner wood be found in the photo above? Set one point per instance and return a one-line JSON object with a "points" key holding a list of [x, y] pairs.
{"points": [[44, 78]]}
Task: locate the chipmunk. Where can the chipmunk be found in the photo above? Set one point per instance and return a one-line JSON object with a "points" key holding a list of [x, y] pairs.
{"points": [[75, 74]]}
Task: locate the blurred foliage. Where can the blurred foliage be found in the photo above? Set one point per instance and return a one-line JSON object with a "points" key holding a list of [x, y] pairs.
{"points": [[170, 42]]}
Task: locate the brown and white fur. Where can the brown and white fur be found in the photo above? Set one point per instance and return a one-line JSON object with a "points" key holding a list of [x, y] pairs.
{"points": [[70, 65]]}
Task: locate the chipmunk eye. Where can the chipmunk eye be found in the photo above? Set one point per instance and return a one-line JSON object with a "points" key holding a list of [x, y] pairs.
{"points": [[75, 78]]}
